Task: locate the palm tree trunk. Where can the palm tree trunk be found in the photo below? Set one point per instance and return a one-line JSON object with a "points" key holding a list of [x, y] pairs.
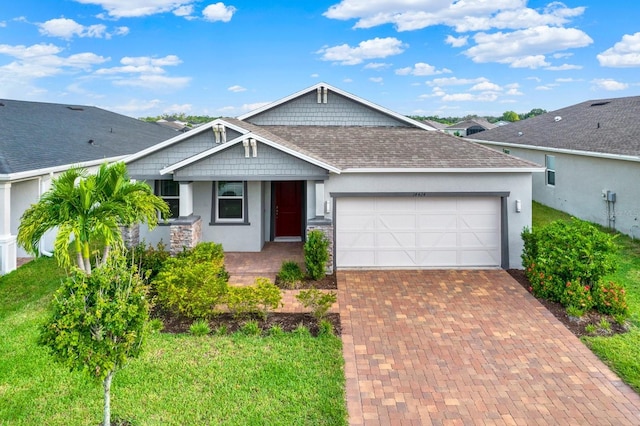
{"points": [[105, 254], [107, 399], [79, 259], [86, 258]]}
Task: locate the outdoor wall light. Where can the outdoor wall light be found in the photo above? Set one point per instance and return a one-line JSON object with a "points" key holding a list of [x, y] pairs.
{"points": [[518, 206]]}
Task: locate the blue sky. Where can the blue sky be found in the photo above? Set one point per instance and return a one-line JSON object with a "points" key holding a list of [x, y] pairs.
{"points": [[423, 57]]}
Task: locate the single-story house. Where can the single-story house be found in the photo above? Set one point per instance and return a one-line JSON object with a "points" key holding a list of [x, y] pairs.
{"points": [[591, 151], [40, 140], [469, 127], [389, 191]]}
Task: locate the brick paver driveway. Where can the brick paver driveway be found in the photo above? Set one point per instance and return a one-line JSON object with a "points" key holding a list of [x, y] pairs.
{"points": [[467, 347]]}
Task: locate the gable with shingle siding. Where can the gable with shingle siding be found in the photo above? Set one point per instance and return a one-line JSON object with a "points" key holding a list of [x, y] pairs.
{"points": [[269, 164], [338, 111]]}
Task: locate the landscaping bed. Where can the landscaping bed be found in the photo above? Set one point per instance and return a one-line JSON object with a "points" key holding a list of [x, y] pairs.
{"points": [[578, 326]]}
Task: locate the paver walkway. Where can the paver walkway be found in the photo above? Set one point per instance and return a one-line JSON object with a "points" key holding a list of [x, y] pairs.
{"points": [[467, 348]]}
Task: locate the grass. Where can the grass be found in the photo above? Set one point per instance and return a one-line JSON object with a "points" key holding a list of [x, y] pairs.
{"points": [[621, 352], [283, 379]]}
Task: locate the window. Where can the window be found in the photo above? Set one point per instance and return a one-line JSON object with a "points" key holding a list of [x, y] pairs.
{"points": [[550, 163], [230, 201], [169, 191]]}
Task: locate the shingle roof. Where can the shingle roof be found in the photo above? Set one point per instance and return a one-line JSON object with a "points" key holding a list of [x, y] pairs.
{"points": [[35, 135], [608, 126], [393, 147], [471, 123]]}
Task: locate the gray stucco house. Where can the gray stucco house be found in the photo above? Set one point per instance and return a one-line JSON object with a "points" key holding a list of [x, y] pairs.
{"points": [[389, 191], [40, 140], [592, 156]]}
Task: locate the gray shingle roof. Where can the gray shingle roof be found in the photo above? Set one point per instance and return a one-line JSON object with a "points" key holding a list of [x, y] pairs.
{"points": [[608, 126], [35, 135], [393, 147], [472, 123]]}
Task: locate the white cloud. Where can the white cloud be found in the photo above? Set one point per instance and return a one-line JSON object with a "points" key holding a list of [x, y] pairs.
{"points": [[525, 48], [455, 81], [369, 49], [564, 67], [462, 15], [68, 28], [347, 80], [422, 69], [256, 105], [177, 109], [536, 79], [226, 109], [137, 8], [146, 72], [136, 107], [562, 55], [568, 80], [376, 65], [183, 11], [609, 84], [625, 53], [468, 97], [218, 12], [3, 24], [543, 88], [486, 86], [376, 80], [236, 89], [314, 75], [457, 41]]}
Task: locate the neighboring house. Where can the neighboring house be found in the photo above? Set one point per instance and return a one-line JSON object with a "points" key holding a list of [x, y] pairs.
{"points": [[172, 123], [592, 155], [40, 140], [469, 127], [389, 191], [435, 124]]}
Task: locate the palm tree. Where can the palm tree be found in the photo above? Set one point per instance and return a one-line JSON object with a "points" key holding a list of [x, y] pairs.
{"points": [[87, 209]]}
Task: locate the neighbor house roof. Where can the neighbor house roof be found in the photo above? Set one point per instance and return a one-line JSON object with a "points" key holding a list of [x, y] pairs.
{"points": [[472, 123], [604, 126], [36, 135]]}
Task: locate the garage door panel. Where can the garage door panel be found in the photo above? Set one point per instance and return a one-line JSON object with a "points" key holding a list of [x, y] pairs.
{"points": [[418, 232]]}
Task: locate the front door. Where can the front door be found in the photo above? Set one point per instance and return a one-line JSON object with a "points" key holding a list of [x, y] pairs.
{"points": [[288, 208]]}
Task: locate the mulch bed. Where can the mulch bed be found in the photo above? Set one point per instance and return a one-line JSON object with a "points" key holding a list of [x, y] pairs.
{"points": [[576, 326], [287, 321]]}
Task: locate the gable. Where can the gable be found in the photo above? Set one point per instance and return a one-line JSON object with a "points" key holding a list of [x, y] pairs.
{"points": [[149, 166], [269, 164], [337, 111]]}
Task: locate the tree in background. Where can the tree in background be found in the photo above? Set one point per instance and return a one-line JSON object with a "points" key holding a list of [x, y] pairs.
{"points": [[89, 209], [98, 322], [510, 116]]}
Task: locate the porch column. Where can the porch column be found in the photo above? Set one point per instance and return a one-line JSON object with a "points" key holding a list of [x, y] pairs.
{"points": [[7, 241], [186, 232], [186, 199]]}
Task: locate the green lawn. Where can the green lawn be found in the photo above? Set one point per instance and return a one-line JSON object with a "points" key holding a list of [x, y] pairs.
{"points": [[622, 352], [179, 379]]}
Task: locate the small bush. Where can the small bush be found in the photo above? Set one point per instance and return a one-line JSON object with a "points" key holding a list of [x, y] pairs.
{"points": [[221, 330], [251, 328], [290, 274], [258, 299], [148, 259], [156, 325], [604, 325], [316, 254], [590, 328], [301, 331], [325, 328], [194, 283], [319, 301], [276, 330], [200, 328], [575, 312], [566, 262], [610, 298]]}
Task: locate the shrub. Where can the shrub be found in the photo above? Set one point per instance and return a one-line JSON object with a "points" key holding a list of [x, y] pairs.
{"points": [[575, 312], [316, 254], [325, 328], [251, 328], [221, 330], [200, 328], [290, 274], [259, 299], [276, 330], [565, 261], [156, 325], [319, 301], [148, 259], [194, 283], [610, 298], [301, 331]]}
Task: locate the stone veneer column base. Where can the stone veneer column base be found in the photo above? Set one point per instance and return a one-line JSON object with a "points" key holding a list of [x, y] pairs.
{"points": [[185, 232], [326, 226]]}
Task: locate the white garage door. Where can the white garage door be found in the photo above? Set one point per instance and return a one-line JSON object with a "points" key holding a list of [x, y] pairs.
{"points": [[388, 232]]}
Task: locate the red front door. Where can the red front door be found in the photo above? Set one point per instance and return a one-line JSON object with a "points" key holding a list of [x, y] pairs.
{"points": [[288, 208]]}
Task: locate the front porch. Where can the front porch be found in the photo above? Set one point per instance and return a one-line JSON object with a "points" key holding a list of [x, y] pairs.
{"points": [[245, 267]]}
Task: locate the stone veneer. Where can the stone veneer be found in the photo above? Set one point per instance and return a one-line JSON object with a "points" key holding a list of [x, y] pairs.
{"points": [[326, 226], [185, 232]]}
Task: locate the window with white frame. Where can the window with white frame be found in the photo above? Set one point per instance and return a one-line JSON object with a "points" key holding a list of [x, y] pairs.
{"points": [[169, 191], [229, 203], [550, 163]]}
